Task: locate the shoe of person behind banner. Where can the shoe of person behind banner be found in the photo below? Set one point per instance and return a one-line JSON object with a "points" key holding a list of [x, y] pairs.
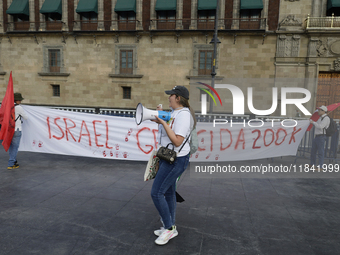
{"points": [[13, 167], [16, 163], [166, 236]]}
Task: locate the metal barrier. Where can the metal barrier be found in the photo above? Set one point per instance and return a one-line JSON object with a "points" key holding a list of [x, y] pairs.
{"points": [[331, 146], [75, 109]]}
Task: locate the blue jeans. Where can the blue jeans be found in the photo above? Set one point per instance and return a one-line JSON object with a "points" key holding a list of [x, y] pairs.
{"points": [[163, 190], [13, 149], [318, 146]]}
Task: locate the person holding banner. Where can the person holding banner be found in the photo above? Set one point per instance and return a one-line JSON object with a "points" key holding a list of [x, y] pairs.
{"points": [[318, 144], [175, 131], [13, 149]]}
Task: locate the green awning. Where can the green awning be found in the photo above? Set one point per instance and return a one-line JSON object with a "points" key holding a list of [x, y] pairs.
{"points": [[87, 6], [125, 6], [206, 5], [19, 7], [333, 4], [166, 5], [251, 4], [51, 6]]}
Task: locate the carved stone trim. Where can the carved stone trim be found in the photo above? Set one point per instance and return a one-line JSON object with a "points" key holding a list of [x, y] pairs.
{"points": [[313, 44], [334, 48], [288, 46], [290, 20], [53, 74], [112, 75], [322, 47], [337, 64]]}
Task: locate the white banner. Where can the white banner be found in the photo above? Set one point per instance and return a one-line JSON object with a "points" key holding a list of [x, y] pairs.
{"points": [[103, 136]]}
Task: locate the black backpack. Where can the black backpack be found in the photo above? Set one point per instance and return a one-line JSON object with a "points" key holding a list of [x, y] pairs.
{"points": [[332, 128]]}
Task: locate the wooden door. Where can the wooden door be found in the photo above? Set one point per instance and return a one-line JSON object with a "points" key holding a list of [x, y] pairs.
{"points": [[328, 92]]}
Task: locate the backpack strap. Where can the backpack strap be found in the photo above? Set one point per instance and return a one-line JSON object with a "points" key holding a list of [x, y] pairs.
{"points": [[323, 130], [18, 116], [189, 134]]}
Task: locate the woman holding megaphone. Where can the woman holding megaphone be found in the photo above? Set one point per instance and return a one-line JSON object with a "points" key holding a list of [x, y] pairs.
{"points": [[176, 132]]}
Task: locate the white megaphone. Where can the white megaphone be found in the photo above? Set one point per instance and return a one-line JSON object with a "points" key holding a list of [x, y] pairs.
{"points": [[143, 113]]}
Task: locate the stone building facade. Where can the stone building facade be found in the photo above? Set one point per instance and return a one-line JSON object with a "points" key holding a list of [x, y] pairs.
{"points": [[115, 53]]}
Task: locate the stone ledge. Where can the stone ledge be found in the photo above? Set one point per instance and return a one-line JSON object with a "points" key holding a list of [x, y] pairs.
{"points": [[54, 74], [126, 75], [2, 73], [205, 77]]}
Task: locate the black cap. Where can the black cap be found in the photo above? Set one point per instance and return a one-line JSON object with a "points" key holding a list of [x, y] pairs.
{"points": [[180, 91]]}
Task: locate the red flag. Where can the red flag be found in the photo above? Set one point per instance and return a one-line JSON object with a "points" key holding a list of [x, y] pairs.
{"points": [[332, 107], [316, 116], [7, 116]]}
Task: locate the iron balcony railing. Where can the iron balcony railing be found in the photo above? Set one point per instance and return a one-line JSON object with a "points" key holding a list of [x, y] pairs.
{"points": [[132, 25], [323, 22], [37, 26], [209, 24]]}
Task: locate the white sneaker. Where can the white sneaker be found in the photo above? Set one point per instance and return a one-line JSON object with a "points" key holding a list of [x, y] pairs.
{"points": [[166, 235], [158, 232]]}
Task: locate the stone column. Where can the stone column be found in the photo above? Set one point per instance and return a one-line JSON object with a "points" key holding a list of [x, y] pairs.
{"points": [[1, 67], [193, 24], [42, 25], [10, 26], [264, 14], [114, 16], [76, 25], [322, 8], [236, 14], [179, 14], [139, 14], [32, 19], [221, 15], [153, 16], [100, 15], [1, 18], [64, 16]]}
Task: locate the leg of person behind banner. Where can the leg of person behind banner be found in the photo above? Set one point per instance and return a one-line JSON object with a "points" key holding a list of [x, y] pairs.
{"points": [[313, 152], [13, 149]]}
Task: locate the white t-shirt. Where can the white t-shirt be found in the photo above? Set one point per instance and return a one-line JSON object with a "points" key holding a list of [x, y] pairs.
{"points": [[19, 111], [181, 123]]}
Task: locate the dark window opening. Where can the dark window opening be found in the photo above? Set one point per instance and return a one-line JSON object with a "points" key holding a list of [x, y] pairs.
{"points": [[127, 20], [206, 19], [250, 19], [126, 92], [54, 61], [56, 90], [205, 62], [126, 61], [53, 21], [89, 21], [335, 10], [21, 22]]}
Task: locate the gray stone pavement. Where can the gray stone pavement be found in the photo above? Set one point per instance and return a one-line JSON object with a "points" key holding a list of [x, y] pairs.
{"points": [[57, 204]]}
